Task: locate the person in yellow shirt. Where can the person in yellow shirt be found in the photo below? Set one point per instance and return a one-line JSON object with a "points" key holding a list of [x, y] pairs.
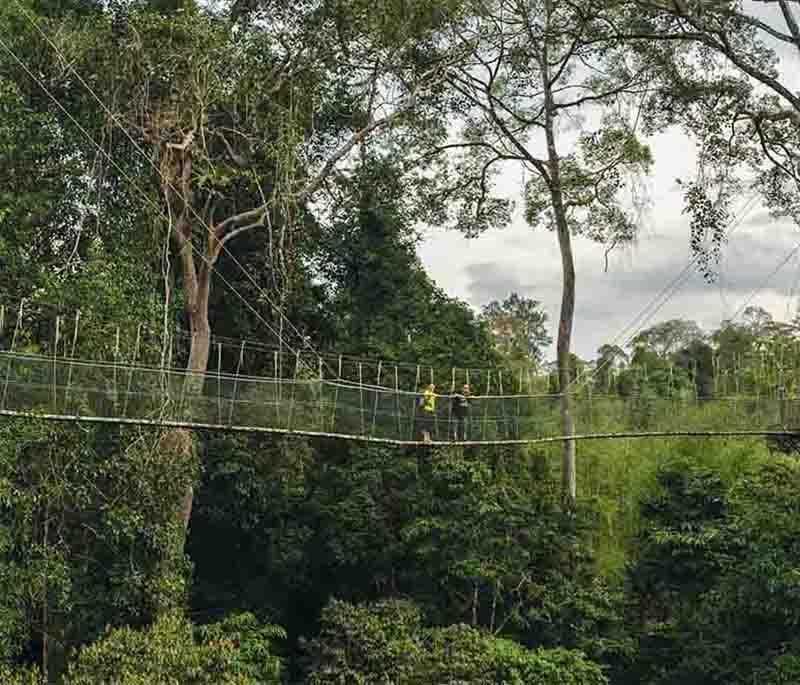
{"points": [[427, 411]]}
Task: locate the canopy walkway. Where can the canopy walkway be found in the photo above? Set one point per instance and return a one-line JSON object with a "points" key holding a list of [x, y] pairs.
{"points": [[129, 380]]}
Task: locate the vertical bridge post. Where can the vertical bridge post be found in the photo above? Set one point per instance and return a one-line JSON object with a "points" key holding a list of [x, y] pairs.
{"points": [[54, 378], [11, 352]]}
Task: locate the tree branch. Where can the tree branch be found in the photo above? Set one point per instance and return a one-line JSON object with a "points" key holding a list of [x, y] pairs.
{"points": [[538, 164], [596, 96], [791, 22], [757, 23], [254, 216], [337, 156], [565, 60], [466, 144], [717, 39], [240, 230], [762, 138]]}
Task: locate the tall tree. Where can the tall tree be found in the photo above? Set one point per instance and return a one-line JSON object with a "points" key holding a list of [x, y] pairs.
{"points": [[533, 66], [236, 126]]}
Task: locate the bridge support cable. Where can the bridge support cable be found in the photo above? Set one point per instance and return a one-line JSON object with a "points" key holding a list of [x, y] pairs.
{"points": [[294, 386], [361, 396], [397, 401], [212, 427], [236, 384], [377, 398], [73, 354], [219, 382], [54, 375]]}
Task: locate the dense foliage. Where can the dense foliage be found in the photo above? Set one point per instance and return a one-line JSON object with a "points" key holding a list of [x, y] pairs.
{"points": [[296, 147]]}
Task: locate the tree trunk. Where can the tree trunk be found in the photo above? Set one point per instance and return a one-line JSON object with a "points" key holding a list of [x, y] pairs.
{"points": [[197, 365], [178, 443], [563, 345], [197, 288], [200, 347], [567, 314]]}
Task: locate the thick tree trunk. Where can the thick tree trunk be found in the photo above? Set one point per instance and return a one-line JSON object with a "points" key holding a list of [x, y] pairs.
{"points": [[566, 316], [197, 288], [196, 366], [197, 313]]}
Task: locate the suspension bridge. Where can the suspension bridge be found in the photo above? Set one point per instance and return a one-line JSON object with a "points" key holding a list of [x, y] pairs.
{"points": [[49, 371], [52, 367]]}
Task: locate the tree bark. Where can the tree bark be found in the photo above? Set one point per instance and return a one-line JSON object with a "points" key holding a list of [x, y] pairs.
{"points": [[199, 349], [178, 443], [567, 314]]}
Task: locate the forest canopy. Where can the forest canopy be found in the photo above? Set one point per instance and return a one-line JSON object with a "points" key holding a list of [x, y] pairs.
{"points": [[262, 170]]}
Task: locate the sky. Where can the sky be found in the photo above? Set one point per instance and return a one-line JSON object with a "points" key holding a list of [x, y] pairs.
{"points": [[523, 260]]}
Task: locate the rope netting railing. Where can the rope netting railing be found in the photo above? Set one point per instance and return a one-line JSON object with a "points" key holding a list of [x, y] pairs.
{"points": [[69, 388], [43, 327], [130, 375]]}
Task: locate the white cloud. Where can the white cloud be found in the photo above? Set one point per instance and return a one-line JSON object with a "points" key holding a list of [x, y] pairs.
{"points": [[518, 258], [527, 261]]}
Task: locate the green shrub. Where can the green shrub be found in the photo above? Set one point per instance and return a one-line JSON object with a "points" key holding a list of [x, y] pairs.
{"points": [[236, 651]]}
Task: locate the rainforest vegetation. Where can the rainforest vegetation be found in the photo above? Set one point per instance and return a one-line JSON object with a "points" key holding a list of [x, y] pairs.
{"points": [[260, 170]]}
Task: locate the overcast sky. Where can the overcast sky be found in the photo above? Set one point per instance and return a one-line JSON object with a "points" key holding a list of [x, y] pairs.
{"points": [[520, 259]]}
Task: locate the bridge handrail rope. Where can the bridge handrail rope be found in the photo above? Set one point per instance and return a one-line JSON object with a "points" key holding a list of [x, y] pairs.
{"points": [[215, 375], [489, 417], [343, 383], [229, 343], [133, 366], [32, 308], [56, 384]]}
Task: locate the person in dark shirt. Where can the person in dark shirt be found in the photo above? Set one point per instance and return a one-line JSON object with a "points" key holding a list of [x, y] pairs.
{"points": [[460, 406]]}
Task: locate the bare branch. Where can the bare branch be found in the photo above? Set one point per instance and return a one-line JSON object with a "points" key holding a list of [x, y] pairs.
{"points": [[595, 97], [791, 22], [345, 148], [240, 230]]}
